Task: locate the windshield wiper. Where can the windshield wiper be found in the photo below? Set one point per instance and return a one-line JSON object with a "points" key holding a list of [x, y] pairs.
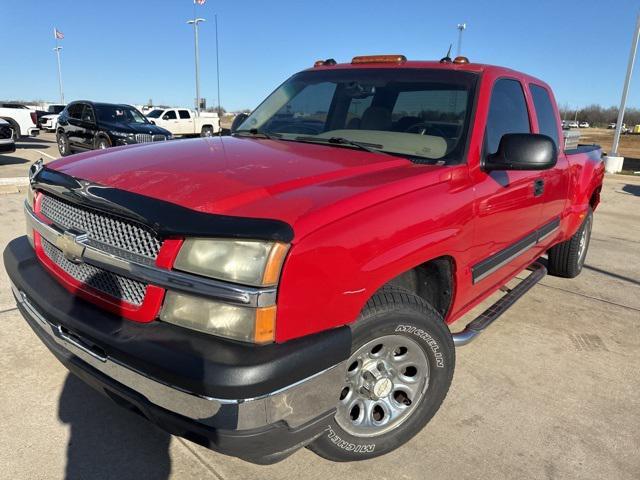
{"points": [[367, 147], [255, 133]]}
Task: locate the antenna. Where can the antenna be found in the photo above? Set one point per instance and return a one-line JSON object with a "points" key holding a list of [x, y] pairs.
{"points": [[447, 57]]}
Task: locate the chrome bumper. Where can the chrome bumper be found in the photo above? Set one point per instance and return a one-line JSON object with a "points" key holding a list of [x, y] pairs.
{"points": [[295, 404]]}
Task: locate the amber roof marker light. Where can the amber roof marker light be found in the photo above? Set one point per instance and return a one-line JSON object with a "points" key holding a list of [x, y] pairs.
{"points": [[379, 59], [322, 63], [461, 60]]}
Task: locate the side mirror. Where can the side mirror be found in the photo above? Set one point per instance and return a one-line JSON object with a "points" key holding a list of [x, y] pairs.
{"points": [[165, 117], [241, 117], [523, 151]]}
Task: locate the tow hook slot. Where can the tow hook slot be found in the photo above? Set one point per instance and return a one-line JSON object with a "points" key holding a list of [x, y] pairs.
{"points": [[90, 349]]}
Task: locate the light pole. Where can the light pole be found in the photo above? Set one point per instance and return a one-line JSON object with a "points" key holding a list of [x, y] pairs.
{"points": [[57, 50], [195, 23], [625, 90], [461, 28]]}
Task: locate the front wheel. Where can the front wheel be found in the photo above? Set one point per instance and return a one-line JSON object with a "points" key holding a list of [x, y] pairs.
{"points": [[63, 145], [102, 143], [396, 378]]}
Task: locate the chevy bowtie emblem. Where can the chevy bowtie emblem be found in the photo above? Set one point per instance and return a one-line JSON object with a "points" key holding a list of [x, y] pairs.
{"points": [[71, 243]]}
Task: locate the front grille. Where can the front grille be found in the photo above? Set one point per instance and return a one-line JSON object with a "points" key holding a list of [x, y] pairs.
{"points": [[146, 138], [102, 228], [5, 132], [114, 285]]}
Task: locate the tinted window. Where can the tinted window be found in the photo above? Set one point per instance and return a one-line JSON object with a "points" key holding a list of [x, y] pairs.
{"points": [[184, 114], [155, 113], [75, 110], [545, 112], [55, 108], [170, 115], [507, 113], [87, 114]]}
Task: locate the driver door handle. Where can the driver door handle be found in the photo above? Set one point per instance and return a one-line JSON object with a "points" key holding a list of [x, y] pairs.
{"points": [[538, 187]]}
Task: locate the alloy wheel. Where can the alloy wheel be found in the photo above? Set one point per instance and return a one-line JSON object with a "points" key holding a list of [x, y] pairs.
{"points": [[385, 381]]}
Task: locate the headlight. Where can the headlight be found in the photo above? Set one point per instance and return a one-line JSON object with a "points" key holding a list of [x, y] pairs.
{"points": [[247, 324], [250, 262], [129, 136]]}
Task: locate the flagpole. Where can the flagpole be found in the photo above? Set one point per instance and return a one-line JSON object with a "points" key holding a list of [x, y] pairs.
{"points": [[57, 50]]}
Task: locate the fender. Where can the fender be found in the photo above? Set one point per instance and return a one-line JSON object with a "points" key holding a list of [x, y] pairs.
{"points": [[329, 276], [587, 173]]}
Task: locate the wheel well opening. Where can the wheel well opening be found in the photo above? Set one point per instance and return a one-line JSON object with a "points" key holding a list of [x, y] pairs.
{"points": [[594, 201], [432, 280]]}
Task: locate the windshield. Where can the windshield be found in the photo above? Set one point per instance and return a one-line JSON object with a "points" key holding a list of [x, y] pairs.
{"points": [[119, 114], [413, 112], [154, 113], [55, 109]]}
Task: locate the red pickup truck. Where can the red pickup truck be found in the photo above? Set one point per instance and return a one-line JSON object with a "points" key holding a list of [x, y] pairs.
{"points": [[292, 285]]}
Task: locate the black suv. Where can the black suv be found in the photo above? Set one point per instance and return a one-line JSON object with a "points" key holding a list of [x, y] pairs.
{"points": [[86, 125]]}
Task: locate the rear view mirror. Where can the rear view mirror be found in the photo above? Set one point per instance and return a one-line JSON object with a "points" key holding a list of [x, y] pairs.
{"points": [[523, 151]]}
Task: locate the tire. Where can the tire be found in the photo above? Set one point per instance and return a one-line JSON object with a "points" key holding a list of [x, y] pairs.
{"points": [[102, 143], [63, 145], [566, 259], [398, 399], [206, 132]]}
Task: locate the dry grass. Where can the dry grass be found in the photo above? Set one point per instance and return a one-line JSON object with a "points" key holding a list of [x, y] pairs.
{"points": [[629, 144]]}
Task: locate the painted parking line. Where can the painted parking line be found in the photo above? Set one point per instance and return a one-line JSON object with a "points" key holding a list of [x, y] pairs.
{"points": [[14, 181], [45, 154]]}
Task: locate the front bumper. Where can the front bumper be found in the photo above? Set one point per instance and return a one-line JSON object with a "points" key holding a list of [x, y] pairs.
{"points": [[259, 423]]}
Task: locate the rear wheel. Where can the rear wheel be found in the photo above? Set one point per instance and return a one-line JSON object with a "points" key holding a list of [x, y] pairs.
{"points": [[206, 132], [396, 378], [63, 145], [567, 258]]}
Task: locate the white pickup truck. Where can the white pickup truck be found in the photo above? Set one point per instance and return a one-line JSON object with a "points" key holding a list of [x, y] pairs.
{"points": [[180, 121], [23, 121]]}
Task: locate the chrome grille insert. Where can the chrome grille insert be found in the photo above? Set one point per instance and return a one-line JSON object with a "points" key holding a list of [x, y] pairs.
{"points": [[114, 285], [102, 228], [146, 138]]}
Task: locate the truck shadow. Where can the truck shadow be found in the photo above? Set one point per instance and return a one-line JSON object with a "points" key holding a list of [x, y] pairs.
{"points": [[632, 189], [107, 441]]}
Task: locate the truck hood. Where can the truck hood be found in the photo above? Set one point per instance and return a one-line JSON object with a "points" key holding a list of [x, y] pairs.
{"points": [[305, 185]]}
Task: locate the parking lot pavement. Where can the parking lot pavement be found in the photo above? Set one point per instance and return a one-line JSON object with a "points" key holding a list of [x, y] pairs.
{"points": [[550, 391], [28, 150]]}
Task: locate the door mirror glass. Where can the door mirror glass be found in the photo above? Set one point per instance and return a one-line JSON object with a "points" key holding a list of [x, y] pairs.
{"points": [[523, 151], [241, 117]]}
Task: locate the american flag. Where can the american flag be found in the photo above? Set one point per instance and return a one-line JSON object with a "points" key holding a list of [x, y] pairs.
{"points": [[199, 2], [58, 35]]}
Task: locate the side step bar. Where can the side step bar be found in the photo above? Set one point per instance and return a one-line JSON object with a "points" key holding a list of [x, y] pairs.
{"points": [[491, 314]]}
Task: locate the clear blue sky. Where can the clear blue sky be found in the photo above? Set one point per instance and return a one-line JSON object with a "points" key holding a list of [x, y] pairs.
{"points": [[132, 50]]}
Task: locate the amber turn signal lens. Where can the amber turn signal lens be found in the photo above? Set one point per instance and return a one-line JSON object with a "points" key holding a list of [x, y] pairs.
{"points": [[379, 59], [274, 264], [265, 330], [460, 60]]}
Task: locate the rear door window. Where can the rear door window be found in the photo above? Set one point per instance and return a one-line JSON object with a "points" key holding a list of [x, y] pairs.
{"points": [[184, 114], [508, 113], [545, 112]]}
